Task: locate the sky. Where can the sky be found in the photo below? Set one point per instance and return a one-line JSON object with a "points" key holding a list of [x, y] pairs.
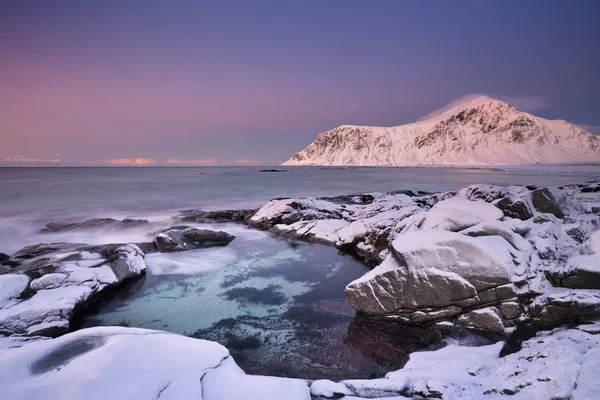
{"points": [[251, 83]]}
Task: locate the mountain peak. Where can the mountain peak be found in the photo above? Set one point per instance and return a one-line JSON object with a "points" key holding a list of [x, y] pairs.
{"points": [[478, 130], [465, 103]]}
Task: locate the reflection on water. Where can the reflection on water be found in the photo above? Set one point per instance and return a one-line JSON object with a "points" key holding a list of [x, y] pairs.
{"points": [[278, 306]]}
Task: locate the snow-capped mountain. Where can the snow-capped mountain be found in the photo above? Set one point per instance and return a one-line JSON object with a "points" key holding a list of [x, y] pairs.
{"points": [[482, 131]]}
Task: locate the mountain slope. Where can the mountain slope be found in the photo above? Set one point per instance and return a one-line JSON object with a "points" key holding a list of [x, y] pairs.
{"points": [[482, 131]]}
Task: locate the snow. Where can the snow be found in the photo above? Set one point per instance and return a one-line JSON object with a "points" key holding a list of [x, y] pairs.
{"points": [[127, 363], [48, 281], [479, 132], [592, 245], [327, 388], [487, 257], [11, 287], [46, 306]]}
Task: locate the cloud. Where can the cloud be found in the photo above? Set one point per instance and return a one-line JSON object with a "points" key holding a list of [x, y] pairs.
{"points": [[129, 161], [30, 160], [595, 129], [144, 161], [179, 161], [246, 162], [522, 103]]}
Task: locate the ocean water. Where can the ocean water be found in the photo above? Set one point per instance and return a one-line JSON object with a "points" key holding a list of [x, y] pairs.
{"points": [[278, 305]]}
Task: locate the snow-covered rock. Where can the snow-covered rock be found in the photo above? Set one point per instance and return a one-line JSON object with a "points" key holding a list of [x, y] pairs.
{"points": [[11, 287], [127, 363], [188, 238], [457, 213], [481, 131], [549, 241], [435, 271], [140, 364], [65, 278]]}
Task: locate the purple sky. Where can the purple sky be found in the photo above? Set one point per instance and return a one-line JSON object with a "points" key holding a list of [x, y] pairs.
{"points": [[138, 82]]}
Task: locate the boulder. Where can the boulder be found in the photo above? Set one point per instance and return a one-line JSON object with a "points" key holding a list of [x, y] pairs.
{"points": [[135, 364], [545, 202], [486, 319], [186, 238], [580, 272], [433, 269], [458, 213], [63, 280], [515, 207], [11, 287]]}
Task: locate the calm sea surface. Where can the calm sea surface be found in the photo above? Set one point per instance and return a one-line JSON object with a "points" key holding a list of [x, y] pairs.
{"points": [[278, 305]]}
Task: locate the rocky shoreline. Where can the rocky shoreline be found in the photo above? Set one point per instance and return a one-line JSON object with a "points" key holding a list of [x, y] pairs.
{"points": [[508, 260]]}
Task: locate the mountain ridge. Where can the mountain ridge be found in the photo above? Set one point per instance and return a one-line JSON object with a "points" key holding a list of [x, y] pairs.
{"points": [[479, 131]]}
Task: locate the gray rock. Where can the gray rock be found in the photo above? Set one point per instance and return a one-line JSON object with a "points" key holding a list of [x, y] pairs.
{"points": [[64, 277], [214, 216], [514, 208], [185, 238], [581, 272], [95, 223], [4, 257], [485, 319], [433, 269], [545, 202], [510, 309]]}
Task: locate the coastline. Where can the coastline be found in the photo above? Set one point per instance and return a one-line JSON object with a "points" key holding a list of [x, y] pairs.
{"points": [[373, 227]]}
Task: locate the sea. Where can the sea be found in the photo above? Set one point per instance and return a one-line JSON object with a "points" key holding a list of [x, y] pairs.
{"points": [[277, 305]]}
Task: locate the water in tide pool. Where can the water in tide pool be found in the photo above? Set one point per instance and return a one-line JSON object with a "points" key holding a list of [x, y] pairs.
{"points": [[278, 305]]}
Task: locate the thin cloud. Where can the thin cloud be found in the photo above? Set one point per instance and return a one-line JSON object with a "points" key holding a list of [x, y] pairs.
{"points": [[247, 162], [179, 161], [144, 161], [129, 161], [30, 160]]}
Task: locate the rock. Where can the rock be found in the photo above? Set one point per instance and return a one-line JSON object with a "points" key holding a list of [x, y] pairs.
{"points": [[288, 211], [457, 213], [510, 309], [42, 249], [11, 287], [545, 202], [214, 216], [435, 269], [515, 208], [581, 272], [64, 279], [184, 238], [576, 234], [592, 245], [328, 389], [4, 257], [95, 223], [135, 364], [485, 319]]}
